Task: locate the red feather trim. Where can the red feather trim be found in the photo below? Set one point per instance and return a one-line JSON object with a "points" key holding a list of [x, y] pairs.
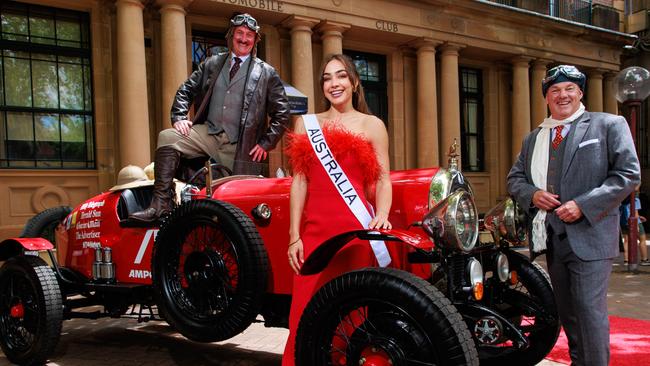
{"points": [[342, 143]]}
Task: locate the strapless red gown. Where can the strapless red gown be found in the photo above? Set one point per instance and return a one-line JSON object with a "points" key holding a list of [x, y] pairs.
{"points": [[326, 215]]}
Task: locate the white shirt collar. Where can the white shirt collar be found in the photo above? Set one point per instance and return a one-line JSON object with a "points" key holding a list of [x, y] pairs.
{"points": [[242, 58]]}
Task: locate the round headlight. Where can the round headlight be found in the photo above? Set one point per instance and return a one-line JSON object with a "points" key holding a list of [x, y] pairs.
{"points": [[503, 267], [262, 211], [506, 220], [475, 271], [453, 222]]}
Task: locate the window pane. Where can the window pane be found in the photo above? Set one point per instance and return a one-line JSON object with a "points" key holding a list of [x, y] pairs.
{"points": [[473, 152], [20, 139], [42, 30], [71, 86], [14, 27], [47, 127], [471, 117], [68, 33], [17, 79], [72, 128], [3, 141], [373, 71], [44, 81], [2, 87], [90, 149], [88, 102], [362, 68]]}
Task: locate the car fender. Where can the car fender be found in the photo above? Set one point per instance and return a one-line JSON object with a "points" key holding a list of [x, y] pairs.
{"points": [[15, 246], [319, 258]]}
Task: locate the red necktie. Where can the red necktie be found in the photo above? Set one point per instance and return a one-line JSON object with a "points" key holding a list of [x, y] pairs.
{"points": [[557, 140], [235, 67]]}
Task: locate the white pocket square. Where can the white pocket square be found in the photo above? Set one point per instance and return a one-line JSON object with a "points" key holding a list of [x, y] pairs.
{"points": [[588, 142]]}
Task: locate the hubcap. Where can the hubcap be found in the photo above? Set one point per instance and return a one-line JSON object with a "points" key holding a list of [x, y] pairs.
{"points": [[17, 311], [201, 267], [488, 330], [373, 356]]}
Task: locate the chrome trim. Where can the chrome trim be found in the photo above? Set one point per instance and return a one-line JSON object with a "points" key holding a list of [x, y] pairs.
{"points": [[475, 272], [444, 183], [262, 211], [441, 225], [502, 267], [505, 220]]}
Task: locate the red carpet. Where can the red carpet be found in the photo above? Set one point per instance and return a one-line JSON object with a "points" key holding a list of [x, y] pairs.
{"points": [[629, 343]]}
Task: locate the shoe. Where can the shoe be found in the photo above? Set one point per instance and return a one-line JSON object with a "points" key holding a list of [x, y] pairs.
{"points": [[645, 262]]}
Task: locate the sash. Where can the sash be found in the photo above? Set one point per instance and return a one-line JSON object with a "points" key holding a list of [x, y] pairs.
{"points": [[342, 184]]}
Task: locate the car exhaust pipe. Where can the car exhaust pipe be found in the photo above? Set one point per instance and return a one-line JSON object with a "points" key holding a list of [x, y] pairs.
{"points": [[103, 267]]}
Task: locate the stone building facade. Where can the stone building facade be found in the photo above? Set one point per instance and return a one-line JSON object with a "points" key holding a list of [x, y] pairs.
{"points": [[434, 70]]}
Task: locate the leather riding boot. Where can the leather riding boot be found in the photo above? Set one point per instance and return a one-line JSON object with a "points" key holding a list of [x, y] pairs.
{"points": [[165, 165]]}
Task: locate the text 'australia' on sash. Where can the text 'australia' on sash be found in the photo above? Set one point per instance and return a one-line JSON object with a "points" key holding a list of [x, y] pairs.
{"points": [[333, 169]]}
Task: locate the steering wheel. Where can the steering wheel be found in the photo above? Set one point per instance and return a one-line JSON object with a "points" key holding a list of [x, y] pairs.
{"points": [[222, 170]]}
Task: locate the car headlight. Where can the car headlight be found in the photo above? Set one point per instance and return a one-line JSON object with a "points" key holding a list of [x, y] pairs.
{"points": [[502, 267], [505, 220], [453, 222]]}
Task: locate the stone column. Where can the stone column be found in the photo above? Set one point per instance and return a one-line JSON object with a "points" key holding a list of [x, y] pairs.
{"points": [[449, 98], [538, 102], [595, 90], [173, 45], [427, 123], [302, 70], [520, 103], [611, 104], [332, 36], [133, 113]]}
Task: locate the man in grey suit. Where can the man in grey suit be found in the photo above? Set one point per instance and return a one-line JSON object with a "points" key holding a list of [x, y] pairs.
{"points": [[232, 94], [571, 175]]}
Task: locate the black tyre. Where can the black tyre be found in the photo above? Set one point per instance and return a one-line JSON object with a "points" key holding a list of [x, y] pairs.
{"points": [[31, 310], [43, 224], [540, 322], [209, 270], [382, 315]]}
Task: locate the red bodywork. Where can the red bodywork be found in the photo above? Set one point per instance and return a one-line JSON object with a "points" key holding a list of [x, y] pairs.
{"points": [[96, 223]]}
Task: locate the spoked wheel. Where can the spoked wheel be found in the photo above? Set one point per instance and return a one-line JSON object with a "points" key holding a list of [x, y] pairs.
{"points": [[31, 310], [530, 305], [209, 270], [376, 317]]}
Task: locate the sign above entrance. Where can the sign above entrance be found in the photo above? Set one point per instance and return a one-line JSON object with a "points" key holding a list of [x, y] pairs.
{"points": [[273, 5], [386, 26]]}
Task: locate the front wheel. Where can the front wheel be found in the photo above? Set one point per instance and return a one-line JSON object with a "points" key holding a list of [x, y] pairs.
{"points": [[31, 310], [209, 270], [378, 316], [530, 305]]}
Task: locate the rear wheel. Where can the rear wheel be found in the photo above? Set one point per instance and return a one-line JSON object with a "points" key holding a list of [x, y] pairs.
{"points": [[380, 316], [44, 223], [31, 310], [209, 270]]}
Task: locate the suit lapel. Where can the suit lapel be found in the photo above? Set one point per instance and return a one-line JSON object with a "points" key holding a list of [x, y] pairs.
{"points": [[529, 154], [253, 77], [574, 141]]}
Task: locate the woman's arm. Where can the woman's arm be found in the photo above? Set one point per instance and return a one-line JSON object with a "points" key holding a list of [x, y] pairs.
{"points": [[376, 132], [296, 206]]}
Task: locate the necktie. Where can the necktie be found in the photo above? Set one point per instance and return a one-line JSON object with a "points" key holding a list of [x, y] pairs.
{"points": [[235, 67], [557, 140]]}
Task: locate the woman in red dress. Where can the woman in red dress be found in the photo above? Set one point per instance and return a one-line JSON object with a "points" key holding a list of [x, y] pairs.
{"points": [[359, 143]]}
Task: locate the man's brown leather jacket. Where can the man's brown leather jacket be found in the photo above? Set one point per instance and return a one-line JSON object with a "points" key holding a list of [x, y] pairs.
{"points": [[263, 95]]}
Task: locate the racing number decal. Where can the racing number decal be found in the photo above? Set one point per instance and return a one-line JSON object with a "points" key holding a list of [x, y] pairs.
{"points": [[149, 236]]}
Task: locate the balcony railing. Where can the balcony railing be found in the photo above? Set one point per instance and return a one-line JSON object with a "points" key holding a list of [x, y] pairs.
{"points": [[581, 11]]}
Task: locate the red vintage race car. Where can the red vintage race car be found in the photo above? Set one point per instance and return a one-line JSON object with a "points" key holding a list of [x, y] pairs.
{"points": [[218, 261]]}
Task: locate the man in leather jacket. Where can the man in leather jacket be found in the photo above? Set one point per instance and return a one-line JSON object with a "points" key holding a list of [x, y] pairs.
{"points": [[232, 94]]}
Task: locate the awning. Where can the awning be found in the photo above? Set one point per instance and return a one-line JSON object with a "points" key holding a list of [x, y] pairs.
{"points": [[297, 100]]}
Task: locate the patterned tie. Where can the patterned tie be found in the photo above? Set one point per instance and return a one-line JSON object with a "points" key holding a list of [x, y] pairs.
{"points": [[557, 140], [235, 67]]}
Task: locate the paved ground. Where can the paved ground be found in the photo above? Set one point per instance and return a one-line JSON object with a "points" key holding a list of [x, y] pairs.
{"points": [[124, 342]]}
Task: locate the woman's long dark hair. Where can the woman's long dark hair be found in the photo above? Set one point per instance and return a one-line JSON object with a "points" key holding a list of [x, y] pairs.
{"points": [[358, 98]]}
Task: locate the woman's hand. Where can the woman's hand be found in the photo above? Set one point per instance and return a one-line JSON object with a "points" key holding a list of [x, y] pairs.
{"points": [[296, 255], [380, 221]]}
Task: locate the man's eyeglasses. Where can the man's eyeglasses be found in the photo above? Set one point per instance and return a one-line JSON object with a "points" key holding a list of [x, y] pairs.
{"points": [[246, 19], [570, 71]]}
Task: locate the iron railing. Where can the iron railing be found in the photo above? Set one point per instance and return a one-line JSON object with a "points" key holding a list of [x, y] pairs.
{"points": [[581, 11]]}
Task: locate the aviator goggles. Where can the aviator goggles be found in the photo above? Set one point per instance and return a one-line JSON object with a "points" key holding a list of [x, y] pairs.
{"points": [[247, 20], [563, 73]]}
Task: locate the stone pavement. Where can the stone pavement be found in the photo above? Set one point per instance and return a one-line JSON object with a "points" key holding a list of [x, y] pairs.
{"points": [[124, 342]]}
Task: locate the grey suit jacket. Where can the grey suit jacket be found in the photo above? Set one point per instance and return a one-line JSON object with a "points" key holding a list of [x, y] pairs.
{"points": [[599, 169]]}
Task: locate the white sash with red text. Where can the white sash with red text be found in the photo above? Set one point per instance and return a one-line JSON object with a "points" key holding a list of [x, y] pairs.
{"points": [[342, 184]]}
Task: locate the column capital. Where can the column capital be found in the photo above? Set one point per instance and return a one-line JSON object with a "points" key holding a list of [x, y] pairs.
{"points": [[450, 48], [425, 44], [174, 4], [521, 61], [595, 73], [541, 63], [139, 3], [610, 74], [300, 23], [329, 27]]}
